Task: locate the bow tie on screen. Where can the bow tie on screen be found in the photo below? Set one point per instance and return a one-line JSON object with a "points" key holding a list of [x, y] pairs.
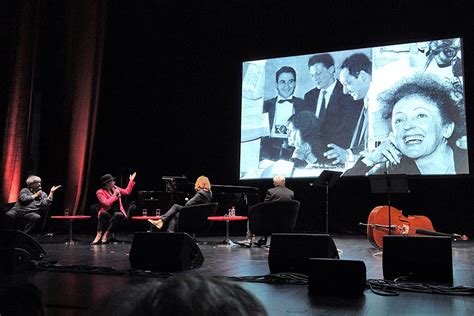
{"points": [[288, 100]]}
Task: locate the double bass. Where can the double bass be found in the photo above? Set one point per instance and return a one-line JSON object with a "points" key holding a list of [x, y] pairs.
{"points": [[413, 225]]}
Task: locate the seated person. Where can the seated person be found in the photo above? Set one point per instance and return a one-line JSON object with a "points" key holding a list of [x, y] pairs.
{"points": [[182, 294], [111, 210], [203, 195], [32, 202], [278, 193], [425, 123], [131, 209]]}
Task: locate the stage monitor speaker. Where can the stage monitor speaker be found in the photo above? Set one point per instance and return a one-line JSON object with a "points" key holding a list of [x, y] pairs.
{"points": [[10, 238], [290, 252], [165, 252], [335, 277], [15, 260], [419, 258]]}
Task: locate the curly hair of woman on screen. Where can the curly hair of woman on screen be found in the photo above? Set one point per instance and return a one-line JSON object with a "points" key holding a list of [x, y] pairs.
{"points": [[426, 122]]}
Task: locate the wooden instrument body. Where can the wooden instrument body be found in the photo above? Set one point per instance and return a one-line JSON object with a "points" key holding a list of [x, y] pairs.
{"points": [[378, 224]]}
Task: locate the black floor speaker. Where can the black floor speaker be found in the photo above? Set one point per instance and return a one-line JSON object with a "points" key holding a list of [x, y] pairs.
{"points": [[165, 252], [291, 252], [15, 260], [334, 277], [17, 252], [418, 258], [10, 238]]}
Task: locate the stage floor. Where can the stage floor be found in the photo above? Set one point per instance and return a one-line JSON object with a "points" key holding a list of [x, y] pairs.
{"points": [[104, 268]]}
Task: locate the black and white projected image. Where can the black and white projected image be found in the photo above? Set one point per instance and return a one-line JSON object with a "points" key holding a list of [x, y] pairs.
{"points": [[395, 109]]}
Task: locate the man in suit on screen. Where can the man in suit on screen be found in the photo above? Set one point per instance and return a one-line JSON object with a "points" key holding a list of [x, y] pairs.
{"points": [[356, 78], [336, 111], [279, 109]]}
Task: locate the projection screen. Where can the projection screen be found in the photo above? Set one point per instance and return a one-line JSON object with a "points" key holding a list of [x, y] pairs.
{"points": [[395, 109]]}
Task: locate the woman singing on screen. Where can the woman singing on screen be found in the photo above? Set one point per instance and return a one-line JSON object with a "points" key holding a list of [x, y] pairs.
{"points": [[425, 123]]}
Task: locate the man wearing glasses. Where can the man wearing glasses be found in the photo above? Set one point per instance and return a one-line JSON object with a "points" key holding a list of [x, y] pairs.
{"points": [[32, 202]]}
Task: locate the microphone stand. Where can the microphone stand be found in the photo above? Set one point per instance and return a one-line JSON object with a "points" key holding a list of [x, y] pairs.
{"points": [[389, 204], [327, 179], [327, 206], [389, 183]]}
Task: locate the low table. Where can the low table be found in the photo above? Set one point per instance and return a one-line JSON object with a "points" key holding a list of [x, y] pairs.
{"points": [[227, 219], [71, 218], [146, 218]]}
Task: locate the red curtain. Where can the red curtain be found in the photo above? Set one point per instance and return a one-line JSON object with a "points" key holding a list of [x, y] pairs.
{"points": [[84, 40], [84, 47], [20, 101]]}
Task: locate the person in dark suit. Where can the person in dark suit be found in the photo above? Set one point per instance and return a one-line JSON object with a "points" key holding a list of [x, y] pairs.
{"points": [[203, 195], [336, 111], [356, 78], [279, 109], [279, 193]]}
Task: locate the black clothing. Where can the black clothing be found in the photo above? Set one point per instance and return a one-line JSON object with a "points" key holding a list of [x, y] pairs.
{"points": [[279, 193], [172, 215]]}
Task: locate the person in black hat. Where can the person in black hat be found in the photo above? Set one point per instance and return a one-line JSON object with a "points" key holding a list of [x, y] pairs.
{"points": [[111, 209]]}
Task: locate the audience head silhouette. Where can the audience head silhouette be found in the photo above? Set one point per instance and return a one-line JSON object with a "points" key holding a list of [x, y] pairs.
{"points": [[183, 295]]}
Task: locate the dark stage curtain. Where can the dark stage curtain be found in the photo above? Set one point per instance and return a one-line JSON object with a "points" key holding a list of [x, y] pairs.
{"points": [[83, 45], [84, 49], [20, 100]]}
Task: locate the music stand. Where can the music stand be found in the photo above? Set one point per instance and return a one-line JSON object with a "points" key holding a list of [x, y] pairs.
{"points": [[327, 179], [174, 183], [389, 183]]}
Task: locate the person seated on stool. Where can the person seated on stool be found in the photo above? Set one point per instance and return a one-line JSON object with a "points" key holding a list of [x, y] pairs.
{"points": [[111, 209], [32, 201], [279, 193], [203, 195]]}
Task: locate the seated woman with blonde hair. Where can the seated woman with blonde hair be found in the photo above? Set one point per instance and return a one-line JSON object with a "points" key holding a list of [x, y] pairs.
{"points": [[203, 195]]}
